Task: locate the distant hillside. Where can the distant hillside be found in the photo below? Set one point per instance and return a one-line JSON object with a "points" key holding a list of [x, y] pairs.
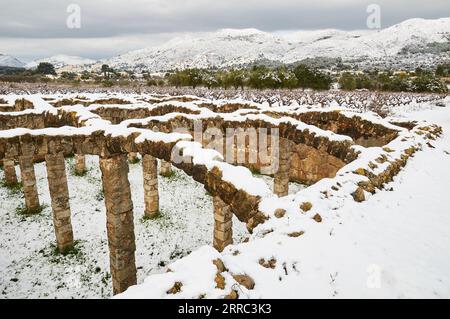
{"points": [[10, 61], [413, 40]]}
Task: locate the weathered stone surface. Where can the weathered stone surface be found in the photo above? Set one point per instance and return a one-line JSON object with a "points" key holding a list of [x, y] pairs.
{"points": [[245, 281], [166, 168], [317, 218], [306, 206], [232, 295], [59, 194], [363, 132], [151, 195], [272, 263], [223, 230], [296, 234], [281, 178], [132, 157], [80, 164], [220, 281], [359, 195], [176, 288], [280, 212], [219, 265], [29, 183], [119, 219], [10, 172]]}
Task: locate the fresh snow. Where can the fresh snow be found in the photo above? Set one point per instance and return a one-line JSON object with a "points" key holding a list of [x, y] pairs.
{"points": [[394, 245], [230, 47], [61, 61], [10, 61], [30, 269]]}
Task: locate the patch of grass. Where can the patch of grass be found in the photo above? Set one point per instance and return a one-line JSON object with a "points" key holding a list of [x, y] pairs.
{"points": [[14, 189], [24, 211], [163, 220], [134, 161], [170, 175], [56, 256], [255, 172], [100, 195], [80, 174], [71, 251], [106, 278], [155, 217]]}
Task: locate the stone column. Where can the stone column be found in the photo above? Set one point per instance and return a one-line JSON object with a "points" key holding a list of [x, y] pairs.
{"points": [[10, 172], [80, 164], [223, 232], [132, 158], [59, 194], [29, 183], [166, 168], [151, 197], [281, 178], [119, 221]]}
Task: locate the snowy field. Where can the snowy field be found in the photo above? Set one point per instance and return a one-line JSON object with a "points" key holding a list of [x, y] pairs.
{"points": [[29, 268], [394, 245]]}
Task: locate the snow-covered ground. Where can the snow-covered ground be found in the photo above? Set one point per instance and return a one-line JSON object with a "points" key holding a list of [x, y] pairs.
{"points": [[394, 245], [29, 268]]}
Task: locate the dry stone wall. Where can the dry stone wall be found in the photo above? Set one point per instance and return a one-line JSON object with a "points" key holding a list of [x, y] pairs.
{"points": [[312, 146]]}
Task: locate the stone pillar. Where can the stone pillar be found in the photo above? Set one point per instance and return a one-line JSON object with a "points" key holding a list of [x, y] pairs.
{"points": [[151, 197], [29, 183], [80, 164], [119, 221], [166, 168], [10, 172], [281, 178], [59, 194], [223, 232], [132, 158]]}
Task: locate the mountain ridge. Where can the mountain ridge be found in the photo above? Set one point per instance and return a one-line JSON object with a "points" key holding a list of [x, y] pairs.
{"points": [[232, 47], [402, 43], [10, 61]]}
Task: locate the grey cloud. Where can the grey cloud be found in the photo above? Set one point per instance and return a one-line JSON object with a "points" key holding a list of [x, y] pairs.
{"points": [[118, 19]]}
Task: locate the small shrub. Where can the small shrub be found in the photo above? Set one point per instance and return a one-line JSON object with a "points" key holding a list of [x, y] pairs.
{"points": [[14, 189], [23, 210]]}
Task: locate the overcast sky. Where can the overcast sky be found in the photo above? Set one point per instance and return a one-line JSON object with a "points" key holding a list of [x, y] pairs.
{"points": [[34, 29]]}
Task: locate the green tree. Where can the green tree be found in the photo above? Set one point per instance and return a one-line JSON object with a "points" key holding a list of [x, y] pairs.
{"points": [[313, 79], [347, 81], [442, 70], [105, 70], [45, 68]]}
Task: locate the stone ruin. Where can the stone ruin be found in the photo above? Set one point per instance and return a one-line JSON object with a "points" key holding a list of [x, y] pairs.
{"points": [[313, 145]]}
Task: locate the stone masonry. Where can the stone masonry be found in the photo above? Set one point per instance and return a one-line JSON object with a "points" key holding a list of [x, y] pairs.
{"points": [[223, 232], [119, 221], [151, 197], [80, 164], [281, 178], [10, 172], [166, 168], [29, 183], [132, 157], [59, 194]]}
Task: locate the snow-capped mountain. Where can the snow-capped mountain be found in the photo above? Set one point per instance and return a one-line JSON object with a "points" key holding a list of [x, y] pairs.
{"points": [[229, 47], [9, 61], [62, 61]]}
